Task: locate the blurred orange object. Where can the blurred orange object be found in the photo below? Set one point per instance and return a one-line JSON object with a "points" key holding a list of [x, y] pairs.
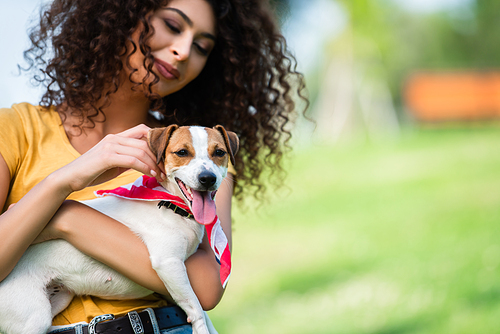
{"points": [[444, 96]]}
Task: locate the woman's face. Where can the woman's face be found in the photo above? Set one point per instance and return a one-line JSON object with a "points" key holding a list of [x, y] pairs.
{"points": [[184, 36]]}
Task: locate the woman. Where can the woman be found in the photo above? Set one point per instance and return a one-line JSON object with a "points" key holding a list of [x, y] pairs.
{"points": [[201, 62]]}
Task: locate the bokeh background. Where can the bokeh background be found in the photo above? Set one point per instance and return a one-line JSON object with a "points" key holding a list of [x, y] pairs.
{"points": [[389, 220]]}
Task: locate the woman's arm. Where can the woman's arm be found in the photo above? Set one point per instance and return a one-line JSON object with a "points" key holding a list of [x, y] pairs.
{"points": [[90, 232], [203, 269], [20, 225]]}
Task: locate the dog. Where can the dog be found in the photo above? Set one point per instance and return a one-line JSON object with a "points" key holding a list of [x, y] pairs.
{"points": [[196, 161]]}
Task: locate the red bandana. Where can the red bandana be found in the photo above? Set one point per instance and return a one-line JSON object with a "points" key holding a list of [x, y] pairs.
{"points": [[146, 188]]}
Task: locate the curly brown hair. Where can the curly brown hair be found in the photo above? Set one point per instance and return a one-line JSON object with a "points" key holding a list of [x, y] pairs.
{"points": [[248, 85]]}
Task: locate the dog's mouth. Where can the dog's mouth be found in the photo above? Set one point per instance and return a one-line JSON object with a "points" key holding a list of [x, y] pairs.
{"points": [[202, 203]]}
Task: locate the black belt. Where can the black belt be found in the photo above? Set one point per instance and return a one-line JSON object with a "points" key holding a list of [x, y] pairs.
{"points": [[134, 322]]}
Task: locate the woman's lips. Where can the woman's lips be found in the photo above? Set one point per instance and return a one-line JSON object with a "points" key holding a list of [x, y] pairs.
{"points": [[167, 70]]}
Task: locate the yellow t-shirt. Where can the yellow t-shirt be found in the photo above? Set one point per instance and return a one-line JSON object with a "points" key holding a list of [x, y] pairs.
{"points": [[34, 144]]}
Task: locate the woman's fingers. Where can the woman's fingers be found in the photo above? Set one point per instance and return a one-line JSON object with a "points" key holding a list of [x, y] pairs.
{"points": [[132, 143], [137, 150], [136, 137], [137, 132], [112, 156]]}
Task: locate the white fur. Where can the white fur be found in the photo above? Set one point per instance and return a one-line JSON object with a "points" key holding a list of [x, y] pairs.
{"points": [[200, 141], [49, 274]]}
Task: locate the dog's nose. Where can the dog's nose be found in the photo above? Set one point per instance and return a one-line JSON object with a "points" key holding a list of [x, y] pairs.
{"points": [[207, 179]]}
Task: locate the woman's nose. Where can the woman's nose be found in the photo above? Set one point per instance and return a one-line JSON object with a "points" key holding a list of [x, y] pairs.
{"points": [[181, 49]]}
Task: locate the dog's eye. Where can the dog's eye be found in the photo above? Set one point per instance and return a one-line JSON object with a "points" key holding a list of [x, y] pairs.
{"points": [[182, 153], [219, 153]]}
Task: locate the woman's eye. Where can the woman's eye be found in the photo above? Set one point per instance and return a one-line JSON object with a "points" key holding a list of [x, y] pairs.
{"points": [[219, 153], [202, 50], [182, 153], [172, 27]]}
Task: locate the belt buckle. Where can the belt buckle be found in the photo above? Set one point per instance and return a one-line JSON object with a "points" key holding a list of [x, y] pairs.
{"points": [[135, 322], [98, 319]]}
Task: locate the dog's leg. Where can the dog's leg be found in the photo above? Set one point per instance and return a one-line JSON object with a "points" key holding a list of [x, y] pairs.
{"points": [[211, 328], [172, 272], [24, 306]]}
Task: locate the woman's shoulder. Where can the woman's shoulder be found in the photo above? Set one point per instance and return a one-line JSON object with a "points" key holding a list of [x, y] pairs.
{"points": [[26, 109], [29, 116]]}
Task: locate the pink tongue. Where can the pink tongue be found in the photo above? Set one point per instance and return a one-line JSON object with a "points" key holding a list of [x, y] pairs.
{"points": [[203, 207]]}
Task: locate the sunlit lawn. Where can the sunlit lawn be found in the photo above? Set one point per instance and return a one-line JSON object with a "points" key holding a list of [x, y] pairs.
{"points": [[400, 237]]}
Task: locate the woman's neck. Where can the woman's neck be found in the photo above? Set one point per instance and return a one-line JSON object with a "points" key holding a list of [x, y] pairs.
{"points": [[124, 110]]}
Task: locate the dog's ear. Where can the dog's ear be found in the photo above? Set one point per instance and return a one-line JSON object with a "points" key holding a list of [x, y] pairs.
{"points": [[231, 140], [158, 139]]}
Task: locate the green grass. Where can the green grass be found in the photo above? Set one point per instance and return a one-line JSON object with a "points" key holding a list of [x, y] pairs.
{"points": [[400, 237]]}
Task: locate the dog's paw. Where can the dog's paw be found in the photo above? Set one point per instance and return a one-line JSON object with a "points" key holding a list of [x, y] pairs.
{"points": [[199, 326], [54, 289], [59, 297]]}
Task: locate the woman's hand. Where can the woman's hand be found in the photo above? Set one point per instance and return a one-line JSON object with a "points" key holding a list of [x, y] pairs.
{"points": [[109, 158]]}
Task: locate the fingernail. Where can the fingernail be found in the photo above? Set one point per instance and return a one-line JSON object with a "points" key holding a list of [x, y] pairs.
{"points": [[163, 176], [153, 173]]}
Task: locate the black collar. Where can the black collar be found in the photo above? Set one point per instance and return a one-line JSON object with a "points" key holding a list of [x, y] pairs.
{"points": [[177, 209]]}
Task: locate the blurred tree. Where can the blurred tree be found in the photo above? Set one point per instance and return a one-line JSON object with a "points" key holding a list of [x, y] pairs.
{"points": [[463, 38], [383, 44], [485, 44], [360, 82], [355, 94], [468, 37]]}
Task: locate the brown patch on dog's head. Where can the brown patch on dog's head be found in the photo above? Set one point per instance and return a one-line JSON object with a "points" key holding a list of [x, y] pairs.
{"points": [[180, 150], [158, 140], [231, 140]]}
